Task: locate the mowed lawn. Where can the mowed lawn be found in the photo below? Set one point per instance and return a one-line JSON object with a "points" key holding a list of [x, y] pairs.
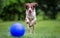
{"points": [[43, 29]]}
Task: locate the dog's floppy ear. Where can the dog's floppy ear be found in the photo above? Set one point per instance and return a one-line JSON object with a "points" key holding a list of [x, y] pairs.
{"points": [[35, 4], [26, 5]]}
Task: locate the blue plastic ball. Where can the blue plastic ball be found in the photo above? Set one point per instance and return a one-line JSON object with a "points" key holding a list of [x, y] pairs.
{"points": [[17, 30]]}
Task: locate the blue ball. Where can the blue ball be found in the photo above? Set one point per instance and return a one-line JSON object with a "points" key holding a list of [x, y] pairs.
{"points": [[17, 30]]}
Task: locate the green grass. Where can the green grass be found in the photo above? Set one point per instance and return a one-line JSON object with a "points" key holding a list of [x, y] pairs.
{"points": [[43, 29]]}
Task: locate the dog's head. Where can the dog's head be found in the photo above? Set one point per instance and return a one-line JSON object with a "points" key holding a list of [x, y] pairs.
{"points": [[30, 7]]}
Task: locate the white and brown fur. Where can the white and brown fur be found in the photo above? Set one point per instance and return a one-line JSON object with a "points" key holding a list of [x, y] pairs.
{"points": [[30, 16]]}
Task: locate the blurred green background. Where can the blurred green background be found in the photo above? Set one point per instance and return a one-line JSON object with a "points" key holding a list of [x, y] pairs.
{"points": [[48, 17]]}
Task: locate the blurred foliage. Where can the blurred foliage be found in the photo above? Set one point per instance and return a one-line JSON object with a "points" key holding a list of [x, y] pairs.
{"points": [[10, 9]]}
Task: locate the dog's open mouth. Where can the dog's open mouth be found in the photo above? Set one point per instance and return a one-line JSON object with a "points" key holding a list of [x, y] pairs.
{"points": [[30, 12]]}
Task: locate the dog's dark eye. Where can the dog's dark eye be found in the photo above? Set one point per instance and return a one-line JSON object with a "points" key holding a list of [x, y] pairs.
{"points": [[27, 7], [33, 6]]}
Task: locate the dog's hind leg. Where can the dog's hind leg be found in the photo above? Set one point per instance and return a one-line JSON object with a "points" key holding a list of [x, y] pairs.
{"points": [[28, 28], [32, 28]]}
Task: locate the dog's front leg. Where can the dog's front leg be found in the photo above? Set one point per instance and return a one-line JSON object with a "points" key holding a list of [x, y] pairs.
{"points": [[32, 24], [28, 25], [27, 21], [28, 28]]}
